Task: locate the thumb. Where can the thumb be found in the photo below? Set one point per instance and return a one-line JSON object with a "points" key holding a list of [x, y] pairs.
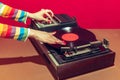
{"points": [[53, 33], [45, 19]]}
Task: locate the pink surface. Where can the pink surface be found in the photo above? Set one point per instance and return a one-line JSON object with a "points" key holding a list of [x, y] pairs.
{"points": [[89, 13]]}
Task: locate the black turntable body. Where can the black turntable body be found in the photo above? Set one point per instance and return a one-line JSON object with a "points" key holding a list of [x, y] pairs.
{"points": [[82, 53]]}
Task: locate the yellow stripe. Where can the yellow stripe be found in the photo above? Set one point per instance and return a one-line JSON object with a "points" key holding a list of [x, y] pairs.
{"points": [[18, 15], [1, 29], [5, 10], [5, 29], [17, 33], [8, 12]]}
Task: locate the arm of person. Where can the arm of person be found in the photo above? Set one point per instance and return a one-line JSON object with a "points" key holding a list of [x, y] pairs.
{"points": [[13, 32], [20, 33], [21, 15], [13, 13]]}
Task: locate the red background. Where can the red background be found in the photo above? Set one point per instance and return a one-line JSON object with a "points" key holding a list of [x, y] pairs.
{"points": [[89, 13]]}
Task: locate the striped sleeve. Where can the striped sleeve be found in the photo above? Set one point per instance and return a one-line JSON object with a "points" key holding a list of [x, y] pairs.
{"points": [[13, 32], [12, 13]]}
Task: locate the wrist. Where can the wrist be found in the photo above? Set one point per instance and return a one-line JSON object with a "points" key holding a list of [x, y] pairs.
{"points": [[32, 33], [30, 15]]}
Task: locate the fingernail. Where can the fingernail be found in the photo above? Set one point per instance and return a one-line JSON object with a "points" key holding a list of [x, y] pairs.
{"points": [[63, 42], [54, 32], [49, 22]]}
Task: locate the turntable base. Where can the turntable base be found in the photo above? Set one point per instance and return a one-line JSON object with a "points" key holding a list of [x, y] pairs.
{"points": [[74, 68], [82, 53]]}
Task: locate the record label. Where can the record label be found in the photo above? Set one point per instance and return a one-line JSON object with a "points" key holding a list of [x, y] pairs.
{"points": [[70, 37]]}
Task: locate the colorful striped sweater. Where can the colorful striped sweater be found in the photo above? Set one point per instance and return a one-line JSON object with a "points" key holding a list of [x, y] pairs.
{"points": [[13, 32]]}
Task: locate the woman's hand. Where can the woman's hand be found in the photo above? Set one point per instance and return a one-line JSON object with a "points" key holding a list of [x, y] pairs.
{"points": [[45, 37], [42, 15]]}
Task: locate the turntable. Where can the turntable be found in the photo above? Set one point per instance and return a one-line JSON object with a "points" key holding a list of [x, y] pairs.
{"points": [[82, 53], [59, 21]]}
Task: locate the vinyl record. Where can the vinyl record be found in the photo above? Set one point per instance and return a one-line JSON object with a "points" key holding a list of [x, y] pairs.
{"points": [[74, 36]]}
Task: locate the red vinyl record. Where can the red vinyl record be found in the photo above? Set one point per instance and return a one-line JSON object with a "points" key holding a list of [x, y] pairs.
{"points": [[75, 35]]}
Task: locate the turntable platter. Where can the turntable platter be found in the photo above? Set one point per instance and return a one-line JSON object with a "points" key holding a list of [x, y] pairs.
{"points": [[75, 35]]}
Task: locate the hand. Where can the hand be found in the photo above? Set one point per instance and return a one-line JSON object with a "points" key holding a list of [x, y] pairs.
{"points": [[42, 15], [45, 37]]}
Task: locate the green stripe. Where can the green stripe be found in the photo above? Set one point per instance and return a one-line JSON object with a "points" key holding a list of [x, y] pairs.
{"points": [[25, 34], [1, 5]]}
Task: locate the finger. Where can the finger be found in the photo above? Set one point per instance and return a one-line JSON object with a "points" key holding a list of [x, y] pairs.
{"points": [[55, 40], [53, 33], [45, 19], [48, 16], [58, 41], [50, 12], [45, 16], [61, 42]]}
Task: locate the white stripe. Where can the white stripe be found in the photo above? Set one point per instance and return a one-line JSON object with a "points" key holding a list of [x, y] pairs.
{"points": [[27, 34], [2, 9]]}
